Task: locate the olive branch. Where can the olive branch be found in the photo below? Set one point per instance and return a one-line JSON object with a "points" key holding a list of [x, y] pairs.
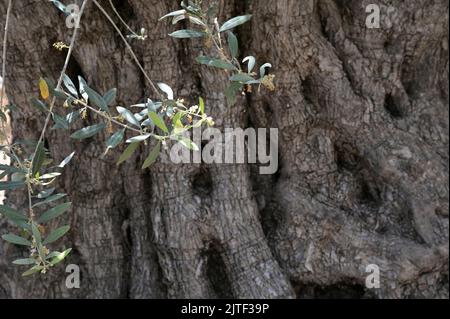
{"points": [[164, 119]]}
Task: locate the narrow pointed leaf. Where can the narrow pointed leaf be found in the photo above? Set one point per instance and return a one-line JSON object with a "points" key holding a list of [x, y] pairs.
{"points": [[36, 233], [152, 156], [138, 139], [110, 96], [185, 34], [115, 139], [39, 105], [61, 7], [233, 44], [196, 21], [88, 131], [251, 63], [38, 159], [60, 257], [18, 177], [50, 175], [17, 240], [83, 86], [11, 213], [25, 261], [176, 120], [127, 153], [54, 212], [97, 99], [11, 185], [66, 160], [50, 199], [158, 121], [232, 23], [128, 116], [46, 193], [201, 105], [70, 86], [32, 271], [11, 169], [166, 89], [173, 14], [262, 69], [56, 234]]}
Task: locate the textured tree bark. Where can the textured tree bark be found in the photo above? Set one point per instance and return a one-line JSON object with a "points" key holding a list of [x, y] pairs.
{"points": [[363, 178]]}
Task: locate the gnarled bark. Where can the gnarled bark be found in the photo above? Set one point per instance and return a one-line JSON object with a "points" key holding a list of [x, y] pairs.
{"points": [[363, 178]]}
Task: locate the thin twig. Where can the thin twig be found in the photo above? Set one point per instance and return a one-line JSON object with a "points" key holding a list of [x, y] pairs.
{"points": [[63, 71], [221, 50], [112, 120], [153, 86], [87, 106], [58, 86], [120, 18], [5, 39]]}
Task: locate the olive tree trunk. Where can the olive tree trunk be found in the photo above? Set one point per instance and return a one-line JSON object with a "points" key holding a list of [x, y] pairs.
{"points": [[363, 151]]}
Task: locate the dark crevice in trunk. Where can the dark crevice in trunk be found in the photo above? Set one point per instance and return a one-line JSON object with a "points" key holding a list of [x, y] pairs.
{"points": [[243, 33], [329, 34], [324, 28], [202, 184], [46, 143], [309, 89], [127, 254], [162, 284], [125, 10], [391, 106], [262, 185], [74, 70], [347, 156], [124, 232], [348, 159], [216, 273], [271, 216], [341, 290], [369, 194], [3, 293]]}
